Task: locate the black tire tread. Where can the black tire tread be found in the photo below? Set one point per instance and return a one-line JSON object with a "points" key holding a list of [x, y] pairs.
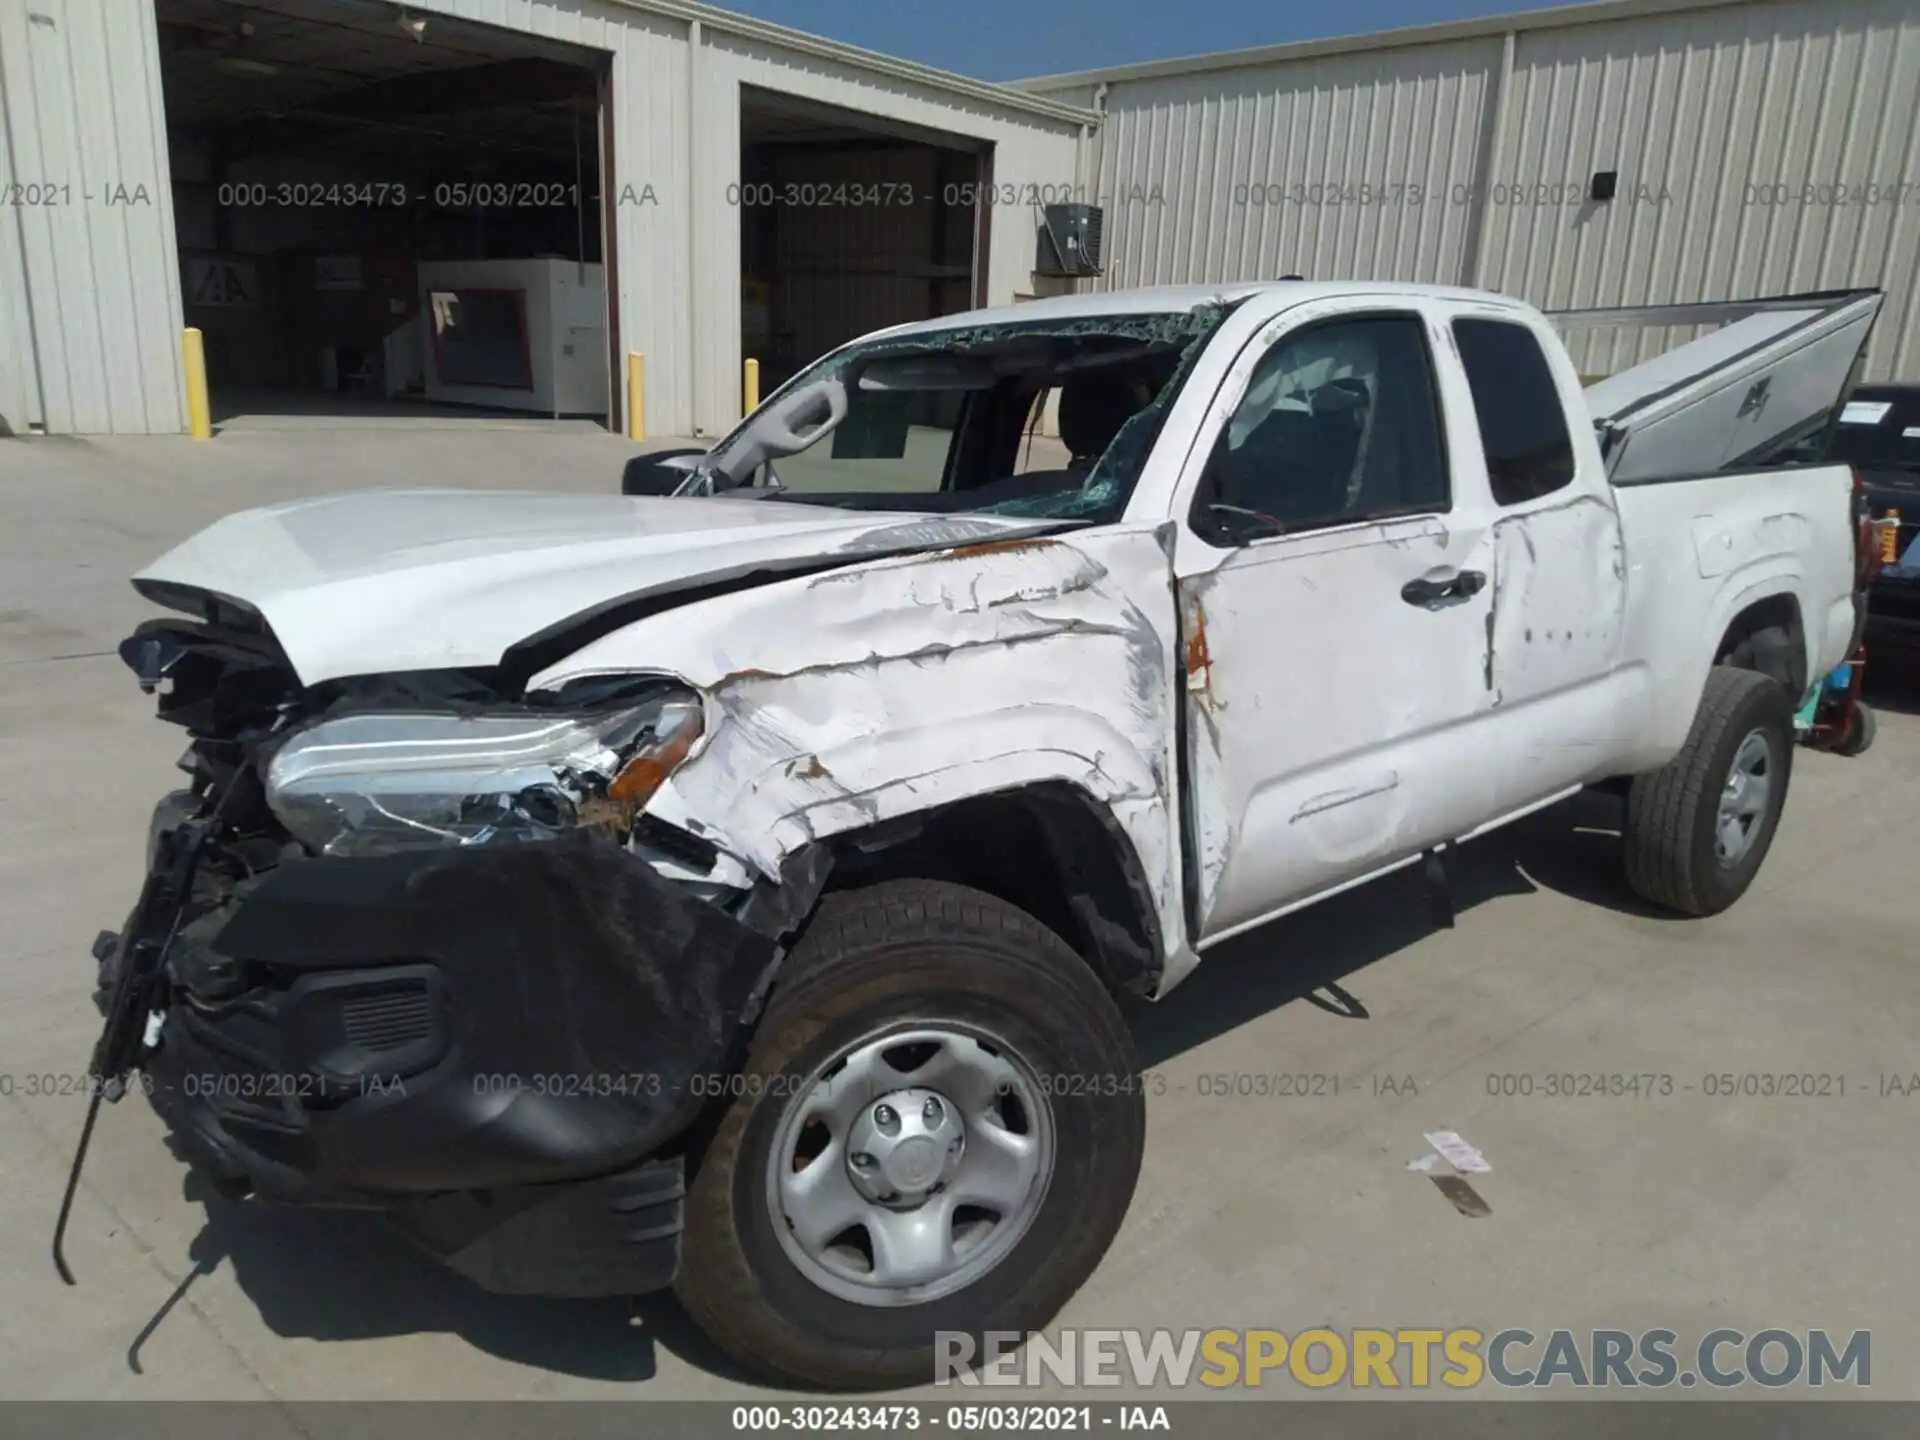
{"points": [[1663, 807], [723, 1298]]}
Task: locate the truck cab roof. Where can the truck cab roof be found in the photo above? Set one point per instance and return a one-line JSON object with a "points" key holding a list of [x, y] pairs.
{"points": [[1172, 299]]}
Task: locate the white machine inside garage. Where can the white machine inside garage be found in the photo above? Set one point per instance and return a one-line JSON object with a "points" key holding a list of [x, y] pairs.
{"points": [[513, 334]]}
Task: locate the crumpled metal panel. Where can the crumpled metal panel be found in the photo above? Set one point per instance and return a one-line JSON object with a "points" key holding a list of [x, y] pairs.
{"points": [[843, 699]]}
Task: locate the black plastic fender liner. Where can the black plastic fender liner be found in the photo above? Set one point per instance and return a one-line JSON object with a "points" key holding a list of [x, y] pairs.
{"points": [[586, 999]]}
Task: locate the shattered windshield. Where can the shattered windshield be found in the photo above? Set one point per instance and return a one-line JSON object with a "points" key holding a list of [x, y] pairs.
{"points": [[1045, 419]]}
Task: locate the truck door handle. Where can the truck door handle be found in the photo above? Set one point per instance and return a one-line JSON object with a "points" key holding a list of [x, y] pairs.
{"points": [[1463, 586]]}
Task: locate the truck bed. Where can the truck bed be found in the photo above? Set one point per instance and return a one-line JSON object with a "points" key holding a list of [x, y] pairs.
{"points": [[1705, 546]]}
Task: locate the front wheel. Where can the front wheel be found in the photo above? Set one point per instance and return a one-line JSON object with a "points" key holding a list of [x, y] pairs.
{"points": [[1698, 830], [937, 1134]]}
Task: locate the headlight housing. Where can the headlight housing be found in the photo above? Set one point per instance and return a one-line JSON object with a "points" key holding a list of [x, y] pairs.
{"points": [[381, 781]]}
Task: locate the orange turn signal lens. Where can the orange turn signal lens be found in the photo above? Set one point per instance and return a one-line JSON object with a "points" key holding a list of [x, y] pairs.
{"points": [[648, 770], [1890, 536]]}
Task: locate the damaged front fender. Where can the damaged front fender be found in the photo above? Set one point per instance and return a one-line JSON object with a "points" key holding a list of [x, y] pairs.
{"points": [[842, 700]]}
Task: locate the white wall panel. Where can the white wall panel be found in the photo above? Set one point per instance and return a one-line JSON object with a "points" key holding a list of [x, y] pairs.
{"points": [[1340, 165], [1703, 109], [1716, 122], [89, 284]]}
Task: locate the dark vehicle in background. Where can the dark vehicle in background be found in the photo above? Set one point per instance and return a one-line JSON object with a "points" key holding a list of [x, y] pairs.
{"points": [[1878, 433]]}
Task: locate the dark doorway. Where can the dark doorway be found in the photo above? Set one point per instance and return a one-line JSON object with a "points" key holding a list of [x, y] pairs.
{"points": [[849, 223], [386, 212]]}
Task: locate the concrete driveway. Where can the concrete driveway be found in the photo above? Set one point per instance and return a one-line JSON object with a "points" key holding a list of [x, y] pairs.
{"points": [[1685, 1211]]}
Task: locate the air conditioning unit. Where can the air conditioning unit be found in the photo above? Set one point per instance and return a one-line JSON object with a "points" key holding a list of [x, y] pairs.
{"points": [[1069, 241]]}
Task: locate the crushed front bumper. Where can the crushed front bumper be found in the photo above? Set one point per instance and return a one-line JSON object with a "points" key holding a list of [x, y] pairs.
{"points": [[498, 1046]]}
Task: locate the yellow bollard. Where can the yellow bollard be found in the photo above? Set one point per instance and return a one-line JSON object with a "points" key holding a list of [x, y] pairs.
{"points": [[750, 387], [193, 353], [636, 395]]}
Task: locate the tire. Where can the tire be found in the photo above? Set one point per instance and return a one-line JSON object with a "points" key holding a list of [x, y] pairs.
{"points": [[900, 956], [1673, 855], [1860, 733]]}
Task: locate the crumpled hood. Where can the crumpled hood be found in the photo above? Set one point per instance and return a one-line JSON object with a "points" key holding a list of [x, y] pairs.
{"points": [[384, 581]]}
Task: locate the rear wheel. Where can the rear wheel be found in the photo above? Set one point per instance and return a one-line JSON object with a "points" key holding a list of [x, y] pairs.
{"points": [[938, 1129], [1698, 830]]}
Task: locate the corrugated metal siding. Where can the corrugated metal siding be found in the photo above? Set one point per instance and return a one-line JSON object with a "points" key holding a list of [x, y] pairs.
{"points": [[19, 374], [89, 285], [1709, 109], [1342, 165], [1709, 117]]}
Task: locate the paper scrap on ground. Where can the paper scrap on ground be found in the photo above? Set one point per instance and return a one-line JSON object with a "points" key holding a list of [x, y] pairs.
{"points": [[1426, 1164], [1462, 1156]]}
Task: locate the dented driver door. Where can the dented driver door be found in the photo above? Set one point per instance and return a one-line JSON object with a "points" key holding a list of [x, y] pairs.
{"points": [[1335, 616], [1560, 692]]}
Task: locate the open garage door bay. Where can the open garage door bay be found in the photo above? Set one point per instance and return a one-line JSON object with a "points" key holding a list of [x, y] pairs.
{"points": [[376, 212]]}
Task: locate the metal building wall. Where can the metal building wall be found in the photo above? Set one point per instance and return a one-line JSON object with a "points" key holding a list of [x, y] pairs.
{"points": [[1498, 126], [89, 280], [90, 310], [1709, 116], [1257, 174]]}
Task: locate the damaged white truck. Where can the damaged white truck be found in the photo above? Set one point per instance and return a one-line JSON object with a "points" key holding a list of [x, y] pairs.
{"points": [[731, 889]]}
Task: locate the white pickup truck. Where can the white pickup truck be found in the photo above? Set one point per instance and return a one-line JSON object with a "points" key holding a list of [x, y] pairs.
{"points": [[731, 889]]}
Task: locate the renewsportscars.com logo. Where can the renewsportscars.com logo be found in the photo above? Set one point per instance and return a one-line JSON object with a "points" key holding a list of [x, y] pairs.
{"points": [[1361, 1358]]}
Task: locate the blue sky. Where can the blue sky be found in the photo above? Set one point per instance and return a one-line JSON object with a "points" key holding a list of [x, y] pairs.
{"points": [[1009, 39]]}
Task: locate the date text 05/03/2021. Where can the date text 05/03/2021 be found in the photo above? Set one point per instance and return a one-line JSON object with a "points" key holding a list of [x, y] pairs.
{"points": [[967, 1419]]}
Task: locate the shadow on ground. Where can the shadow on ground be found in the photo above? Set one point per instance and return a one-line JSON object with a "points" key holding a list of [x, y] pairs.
{"points": [[267, 409], [337, 1275], [1572, 848], [346, 1275]]}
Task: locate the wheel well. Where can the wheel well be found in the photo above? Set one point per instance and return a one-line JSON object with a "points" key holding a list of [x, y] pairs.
{"points": [[1768, 636], [1050, 849]]}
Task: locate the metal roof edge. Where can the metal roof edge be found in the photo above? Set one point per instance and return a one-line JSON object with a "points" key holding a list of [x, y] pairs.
{"points": [[1401, 38], [989, 92]]}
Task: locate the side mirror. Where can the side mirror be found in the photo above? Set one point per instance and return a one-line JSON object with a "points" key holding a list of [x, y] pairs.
{"points": [[656, 472]]}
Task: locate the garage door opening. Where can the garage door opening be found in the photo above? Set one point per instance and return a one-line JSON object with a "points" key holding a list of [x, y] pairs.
{"points": [[386, 215], [849, 223]]}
